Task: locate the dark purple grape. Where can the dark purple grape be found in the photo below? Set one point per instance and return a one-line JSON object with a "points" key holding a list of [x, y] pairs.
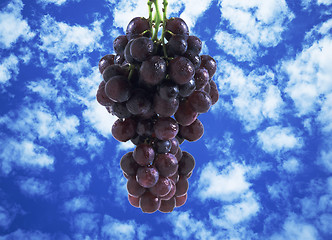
{"points": [[201, 78], [182, 186], [162, 187], [147, 176], [175, 177], [162, 146], [120, 110], [145, 127], [176, 26], [118, 89], [119, 59], [102, 97], [194, 59], [127, 54], [105, 61], [188, 88], [177, 45], [209, 64], [168, 90], [153, 71], [165, 108], [185, 115], [119, 44], [167, 206], [174, 146], [193, 132], [171, 193], [214, 92], [139, 102], [124, 130], [134, 201], [144, 154], [200, 101], [138, 27], [181, 200], [186, 164], [149, 203], [194, 44], [134, 189], [137, 140], [181, 70], [207, 89], [128, 164], [141, 49], [112, 71], [179, 154], [166, 128], [167, 164]]}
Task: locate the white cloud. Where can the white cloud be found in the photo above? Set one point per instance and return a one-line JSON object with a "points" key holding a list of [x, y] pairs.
{"points": [[23, 154], [8, 68], [6, 217], [276, 139], [256, 23], [81, 203], [12, 26], [325, 159], [225, 185], [56, 2], [34, 187], [279, 190], [253, 97], [77, 183], [291, 165], [20, 234], [63, 40], [294, 229]]}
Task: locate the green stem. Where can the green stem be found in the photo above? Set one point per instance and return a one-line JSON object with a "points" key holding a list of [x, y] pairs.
{"points": [[150, 2], [165, 2], [157, 21]]}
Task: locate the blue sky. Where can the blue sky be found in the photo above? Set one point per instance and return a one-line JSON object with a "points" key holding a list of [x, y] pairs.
{"points": [[263, 167]]}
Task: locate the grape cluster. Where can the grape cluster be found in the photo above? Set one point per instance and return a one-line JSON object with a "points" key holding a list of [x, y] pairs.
{"points": [[157, 89]]}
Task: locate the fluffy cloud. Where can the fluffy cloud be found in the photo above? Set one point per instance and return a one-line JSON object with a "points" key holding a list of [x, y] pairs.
{"points": [[63, 40], [292, 165], [34, 187], [81, 203], [56, 2], [12, 26], [277, 139], [8, 67], [256, 24]]}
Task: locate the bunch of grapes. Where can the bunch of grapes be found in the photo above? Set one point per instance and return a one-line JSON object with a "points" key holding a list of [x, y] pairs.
{"points": [[157, 88]]}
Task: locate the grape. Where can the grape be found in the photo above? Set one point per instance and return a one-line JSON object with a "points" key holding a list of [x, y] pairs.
{"points": [[171, 193], [128, 164], [162, 187], [138, 27], [119, 59], [127, 54], [201, 78], [153, 71], [134, 201], [120, 110], [176, 25], [147, 176], [165, 108], [167, 206], [174, 146], [194, 44], [106, 61], [177, 45], [118, 89], [186, 164], [137, 140], [144, 154], [141, 49], [194, 59], [119, 44], [181, 200], [167, 164], [179, 154], [139, 102], [168, 90], [180, 139], [175, 177], [181, 186], [134, 189], [149, 203], [200, 101], [145, 127], [207, 89], [166, 128], [209, 64], [181, 70], [162, 146], [214, 92], [124, 130], [102, 97], [185, 115], [187, 88], [112, 71], [193, 132]]}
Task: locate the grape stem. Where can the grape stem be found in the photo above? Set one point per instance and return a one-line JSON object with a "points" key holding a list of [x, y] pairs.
{"points": [[157, 20]]}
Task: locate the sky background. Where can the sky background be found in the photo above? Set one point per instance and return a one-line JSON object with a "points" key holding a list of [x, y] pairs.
{"points": [[263, 167]]}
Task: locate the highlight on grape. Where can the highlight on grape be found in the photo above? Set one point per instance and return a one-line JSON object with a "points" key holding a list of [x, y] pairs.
{"points": [[157, 87]]}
